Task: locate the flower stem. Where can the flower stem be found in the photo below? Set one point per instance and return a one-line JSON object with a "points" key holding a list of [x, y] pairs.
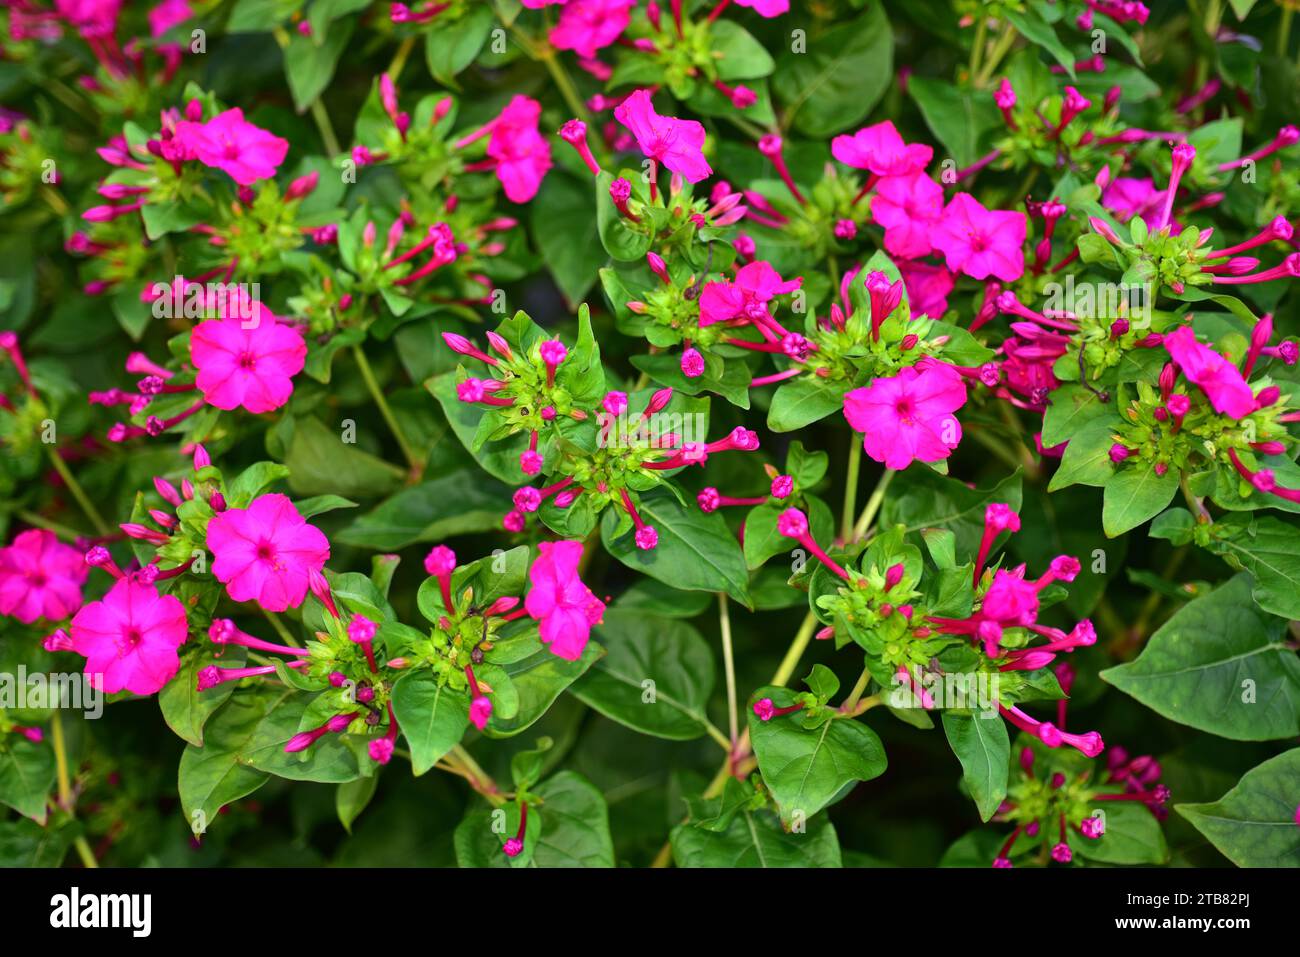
{"points": [[1003, 46], [77, 491], [729, 663], [368, 374], [280, 629], [479, 779], [398, 62], [873, 505], [855, 695], [326, 128], [851, 486], [65, 785], [39, 521]]}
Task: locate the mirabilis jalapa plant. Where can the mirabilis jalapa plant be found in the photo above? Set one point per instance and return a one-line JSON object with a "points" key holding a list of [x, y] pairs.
{"points": [[499, 406]]}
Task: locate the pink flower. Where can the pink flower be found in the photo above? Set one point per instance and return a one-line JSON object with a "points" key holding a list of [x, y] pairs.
{"points": [[909, 416], [129, 639], [266, 552], [881, 150], [756, 285], [40, 577], [587, 25], [981, 242], [252, 368], [907, 206], [91, 18], [677, 144], [480, 709], [168, 14], [927, 288], [228, 142], [766, 8], [1218, 378], [1010, 600], [523, 156], [1127, 197], [564, 607]]}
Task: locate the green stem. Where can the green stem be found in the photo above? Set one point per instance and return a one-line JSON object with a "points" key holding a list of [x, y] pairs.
{"points": [[1003, 46], [65, 786], [977, 48], [851, 485], [77, 491], [796, 650], [398, 62], [280, 629], [368, 374], [873, 504], [1195, 504], [729, 664], [39, 521], [1284, 31], [480, 779], [326, 128], [855, 695]]}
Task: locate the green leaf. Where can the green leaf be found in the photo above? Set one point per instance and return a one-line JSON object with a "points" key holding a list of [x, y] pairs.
{"points": [[696, 551], [1219, 664], [433, 717], [24, 843], [1072, 407], [217, 773], [27, 775], [450, 48], [184, 707], [328, 761], [352, 797], [568, 828], [309, 64], [1266, 547], [563, 224], [1254, 824], [459, 503], [984, 750], [806, 769], [617, 235], [921, 498], [959, 119], [655, 678], [1134, 495], [757, 839], [1087, 458], [739, 55], [498, 459], [321, 463], [538, 676], [1132, 836], [1037, 30], [801, 402], [835, 82]]}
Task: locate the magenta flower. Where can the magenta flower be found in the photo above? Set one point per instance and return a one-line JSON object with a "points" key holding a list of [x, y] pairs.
{"points": [[909, 416], [1127, 197], [766, 8], [168, 14], [756, 285], [246, 367], [266, 552], [981, 242], [907, 207], [522, 154], [677, 144], [40, 577], [588, 25], [230, 143], [1218, 378], [129, 638], [881, 150], [564, 607], [927, 288]]}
